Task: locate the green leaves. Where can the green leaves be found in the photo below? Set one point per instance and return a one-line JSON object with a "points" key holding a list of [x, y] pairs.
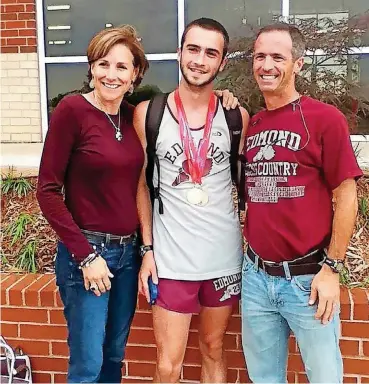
{"points": [[18, 185], [26, 260], [16, 230]]}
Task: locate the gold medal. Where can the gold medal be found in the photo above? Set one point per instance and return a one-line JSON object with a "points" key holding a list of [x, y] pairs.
{"points": [[197, 196]]}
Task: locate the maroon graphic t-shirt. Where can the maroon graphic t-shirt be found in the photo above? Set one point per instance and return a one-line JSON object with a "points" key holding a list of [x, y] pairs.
{"points": [[296, 156]]}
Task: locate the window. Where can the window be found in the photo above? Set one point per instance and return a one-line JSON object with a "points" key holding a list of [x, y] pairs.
{"points": [[65, 78], [240, 17], [69, 28], [356, 12], [66, 27]]}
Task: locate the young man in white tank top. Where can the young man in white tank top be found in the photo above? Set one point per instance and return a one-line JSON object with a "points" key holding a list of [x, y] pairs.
{"points": [[197, 240]]}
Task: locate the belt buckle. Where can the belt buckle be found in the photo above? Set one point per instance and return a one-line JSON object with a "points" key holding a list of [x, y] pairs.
{"points": [[121, 240]]}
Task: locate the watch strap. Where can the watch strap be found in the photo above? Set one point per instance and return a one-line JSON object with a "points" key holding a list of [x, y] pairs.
{"points": [[145, 248]]}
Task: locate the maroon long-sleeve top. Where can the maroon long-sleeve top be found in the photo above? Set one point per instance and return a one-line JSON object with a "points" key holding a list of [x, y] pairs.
{"points": [[99, 174]]}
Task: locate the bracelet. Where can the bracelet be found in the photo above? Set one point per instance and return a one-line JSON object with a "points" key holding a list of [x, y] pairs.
{"points": [[88, 260]]}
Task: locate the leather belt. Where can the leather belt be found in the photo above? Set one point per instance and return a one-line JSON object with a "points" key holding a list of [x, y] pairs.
{"points": [[304, 265], [108, 238]]}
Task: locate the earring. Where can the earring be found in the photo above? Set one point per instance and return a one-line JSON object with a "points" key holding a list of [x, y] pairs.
{"points": [[131, 89], [91, 84]]}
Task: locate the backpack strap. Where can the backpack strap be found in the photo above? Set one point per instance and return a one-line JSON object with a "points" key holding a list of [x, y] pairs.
{"points": [[235, 124], [154, 115]]}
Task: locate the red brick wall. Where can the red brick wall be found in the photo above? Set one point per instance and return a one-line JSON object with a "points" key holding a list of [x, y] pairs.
{"points": [[18, 26], [32, 318]]}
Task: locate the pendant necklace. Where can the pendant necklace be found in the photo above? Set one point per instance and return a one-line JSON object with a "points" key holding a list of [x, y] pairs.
{"points": [[118, 133]]}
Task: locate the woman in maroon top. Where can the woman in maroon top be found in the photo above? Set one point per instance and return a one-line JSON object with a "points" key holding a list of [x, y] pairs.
{"points": [[92, 150]]}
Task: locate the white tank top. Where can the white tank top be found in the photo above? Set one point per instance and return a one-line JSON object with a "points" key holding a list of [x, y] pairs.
{"points": [[195, 242]]}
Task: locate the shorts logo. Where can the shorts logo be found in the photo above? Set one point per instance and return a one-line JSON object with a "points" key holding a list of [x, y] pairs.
{"points": [[232, 290], [231, 285]]}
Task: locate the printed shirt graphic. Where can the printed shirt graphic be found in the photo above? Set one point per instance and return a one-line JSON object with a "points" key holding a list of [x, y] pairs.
{"points": [[290, 174], [192, 242]]}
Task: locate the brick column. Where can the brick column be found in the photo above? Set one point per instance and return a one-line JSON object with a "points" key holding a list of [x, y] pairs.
{"points": [[20, 92]]}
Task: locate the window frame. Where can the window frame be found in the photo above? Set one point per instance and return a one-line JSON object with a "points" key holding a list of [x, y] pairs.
{"points": [[43, 60]]}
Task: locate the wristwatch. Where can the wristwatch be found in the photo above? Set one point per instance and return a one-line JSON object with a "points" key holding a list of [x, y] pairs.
{"points": [[336, 266], [144, 249]]}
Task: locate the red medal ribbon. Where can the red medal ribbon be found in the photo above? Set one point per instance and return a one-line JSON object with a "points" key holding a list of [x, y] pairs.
{"points": [[196, 157]]}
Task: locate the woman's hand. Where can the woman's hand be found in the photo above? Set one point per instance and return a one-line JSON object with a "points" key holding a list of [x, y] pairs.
{"points": [[97, 277], [230, 101]]}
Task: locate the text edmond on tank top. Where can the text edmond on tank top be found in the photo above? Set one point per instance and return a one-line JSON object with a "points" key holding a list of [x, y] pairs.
{"points": [[192, 242]]}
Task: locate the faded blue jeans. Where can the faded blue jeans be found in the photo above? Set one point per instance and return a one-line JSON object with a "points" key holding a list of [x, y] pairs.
{"points": [[98, 326], [271, 308]]}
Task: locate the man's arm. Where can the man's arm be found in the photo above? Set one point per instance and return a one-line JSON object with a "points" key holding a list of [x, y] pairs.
{"points": [[144, 206], [345, 210], [325, 285]]}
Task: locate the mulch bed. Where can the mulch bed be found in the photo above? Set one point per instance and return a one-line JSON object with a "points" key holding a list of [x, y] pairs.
{"points": [[357, 255]]}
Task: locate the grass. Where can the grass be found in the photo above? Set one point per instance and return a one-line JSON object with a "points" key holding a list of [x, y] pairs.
{"points": [[364, 208], [26, 260], [18, 185], [16, 230]]}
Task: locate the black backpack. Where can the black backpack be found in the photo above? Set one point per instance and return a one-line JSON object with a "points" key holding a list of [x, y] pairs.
{"points": [[154, 116]]}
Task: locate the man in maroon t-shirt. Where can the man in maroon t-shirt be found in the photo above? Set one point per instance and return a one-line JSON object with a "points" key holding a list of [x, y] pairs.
{"points": [[299, 161]]}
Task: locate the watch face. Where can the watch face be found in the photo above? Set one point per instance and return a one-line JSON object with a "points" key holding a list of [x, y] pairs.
{"points": [[340, 266], [144, 249]]}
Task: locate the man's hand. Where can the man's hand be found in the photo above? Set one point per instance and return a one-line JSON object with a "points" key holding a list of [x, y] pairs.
{"points": [[148, 268], [97, 275], [326, 289], [230, 101]]}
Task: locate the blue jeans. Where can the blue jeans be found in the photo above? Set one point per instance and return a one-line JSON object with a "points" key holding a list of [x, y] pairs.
{"points": [[98, 326], [271, 308]]}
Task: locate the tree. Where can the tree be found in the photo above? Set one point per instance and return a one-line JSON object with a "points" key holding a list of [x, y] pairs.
{"points": [[332, 78]]}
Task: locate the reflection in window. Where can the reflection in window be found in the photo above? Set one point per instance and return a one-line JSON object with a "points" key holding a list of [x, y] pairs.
{"points": [[342, 76], [164, 74], [70, 24], [239, 17], [355, 12], [65, 78], [360, 76]]}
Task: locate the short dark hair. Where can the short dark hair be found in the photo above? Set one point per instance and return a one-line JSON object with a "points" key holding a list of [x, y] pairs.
{"points": [[298, 39], [211, 25]]}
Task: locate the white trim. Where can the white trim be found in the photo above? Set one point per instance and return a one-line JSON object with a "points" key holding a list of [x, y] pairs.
{"points": [[58, 27], [20, 161], [181, 28], [83, 59], [285, 9], [181, 19], [42, 67], [359, 138], [58, 7], [353, 51]]}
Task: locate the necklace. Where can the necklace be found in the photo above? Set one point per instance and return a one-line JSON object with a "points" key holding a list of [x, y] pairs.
{"points": [[118, 133]]}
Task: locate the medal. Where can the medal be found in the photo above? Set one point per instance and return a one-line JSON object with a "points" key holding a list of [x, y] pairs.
{"points": [[197, 196], [196, 157]]}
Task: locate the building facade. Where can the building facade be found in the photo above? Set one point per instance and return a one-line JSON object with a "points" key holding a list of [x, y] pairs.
{"points": [[43, 45]]}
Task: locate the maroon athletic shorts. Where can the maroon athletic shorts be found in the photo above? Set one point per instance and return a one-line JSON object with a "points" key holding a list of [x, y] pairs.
{"points": [[188, 296]]}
